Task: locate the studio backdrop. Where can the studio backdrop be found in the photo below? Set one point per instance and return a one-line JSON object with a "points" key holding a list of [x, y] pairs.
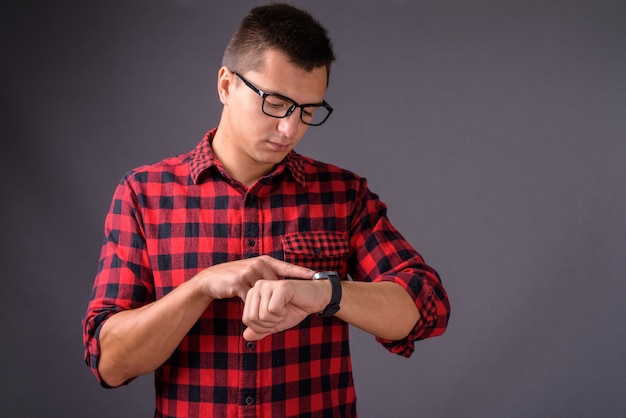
{"points": [[494, 130]]}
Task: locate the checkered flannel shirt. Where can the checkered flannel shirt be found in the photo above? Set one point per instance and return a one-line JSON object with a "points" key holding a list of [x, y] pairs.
{"points": [[170, 220]]}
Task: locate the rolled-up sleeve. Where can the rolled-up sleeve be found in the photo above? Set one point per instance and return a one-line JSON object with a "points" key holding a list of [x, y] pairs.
{"points": [[381, 253], [123, 278]]}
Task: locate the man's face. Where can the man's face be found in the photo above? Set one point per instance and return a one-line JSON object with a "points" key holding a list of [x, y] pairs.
{"points": [[259, 140]]}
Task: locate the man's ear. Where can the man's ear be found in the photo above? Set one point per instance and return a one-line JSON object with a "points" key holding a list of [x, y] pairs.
{"points": [[224, 79]]}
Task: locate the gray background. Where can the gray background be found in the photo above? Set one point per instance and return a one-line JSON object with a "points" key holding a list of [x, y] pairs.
{"points": [[495, 131]]}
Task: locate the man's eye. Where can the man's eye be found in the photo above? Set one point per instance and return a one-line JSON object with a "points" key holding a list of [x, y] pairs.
{"points": [[277, 103]]}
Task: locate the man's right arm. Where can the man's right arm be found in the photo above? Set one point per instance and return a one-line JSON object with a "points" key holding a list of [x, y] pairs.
{"points": [[138, 341]]}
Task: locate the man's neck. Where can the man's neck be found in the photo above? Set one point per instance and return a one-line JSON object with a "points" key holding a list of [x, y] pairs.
{"points": [[244, 170]]}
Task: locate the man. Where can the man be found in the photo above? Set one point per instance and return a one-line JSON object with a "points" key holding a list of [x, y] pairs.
{"points": [[208, 274]]}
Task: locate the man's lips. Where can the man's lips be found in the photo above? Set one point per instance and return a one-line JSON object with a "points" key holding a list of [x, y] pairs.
{"points": [[277, 146]]}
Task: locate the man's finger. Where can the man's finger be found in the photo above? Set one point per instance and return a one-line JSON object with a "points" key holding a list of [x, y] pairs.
{"points": [[284, 269], [251, 335]]}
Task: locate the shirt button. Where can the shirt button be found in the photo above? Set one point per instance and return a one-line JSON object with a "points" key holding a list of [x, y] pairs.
{"points": [[249, 400], [251, 242], [250, 345]]}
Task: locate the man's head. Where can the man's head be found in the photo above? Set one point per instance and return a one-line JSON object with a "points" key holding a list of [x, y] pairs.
{"points": [[272, 84], [284, 28]]}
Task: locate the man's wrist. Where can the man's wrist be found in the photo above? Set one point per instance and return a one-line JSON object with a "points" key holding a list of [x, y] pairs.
{"points": [[336, 292]]}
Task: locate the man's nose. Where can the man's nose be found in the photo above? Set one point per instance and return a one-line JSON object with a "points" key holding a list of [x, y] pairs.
{"points": [[289, 125]]}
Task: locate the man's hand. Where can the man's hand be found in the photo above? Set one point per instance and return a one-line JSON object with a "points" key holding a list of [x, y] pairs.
{"points": [[236, 278], [271, 305], [276, 305], [137, 341]]}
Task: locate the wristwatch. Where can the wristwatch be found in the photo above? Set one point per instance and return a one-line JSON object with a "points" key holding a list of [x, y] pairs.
{"points": [[333, 305]]}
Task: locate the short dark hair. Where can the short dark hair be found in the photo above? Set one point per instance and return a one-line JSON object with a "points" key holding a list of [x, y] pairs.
{"points": [[283, 27]]}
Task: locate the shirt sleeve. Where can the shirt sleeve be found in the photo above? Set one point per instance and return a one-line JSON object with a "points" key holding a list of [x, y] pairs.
{"points": [[382, 254], [124, 279]]}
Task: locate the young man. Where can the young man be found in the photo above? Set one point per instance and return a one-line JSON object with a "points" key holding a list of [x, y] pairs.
{"points": [[211, 274]]}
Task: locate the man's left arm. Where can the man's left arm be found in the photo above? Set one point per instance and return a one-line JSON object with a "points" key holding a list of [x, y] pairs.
{"points": [[383, 309]]}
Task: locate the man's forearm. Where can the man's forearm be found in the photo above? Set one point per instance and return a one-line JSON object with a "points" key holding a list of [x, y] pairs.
{"points": [[383, 309], [138, 341]]}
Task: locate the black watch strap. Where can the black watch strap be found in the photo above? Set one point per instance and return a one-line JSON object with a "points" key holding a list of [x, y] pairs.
{"points": [[335, 299]]}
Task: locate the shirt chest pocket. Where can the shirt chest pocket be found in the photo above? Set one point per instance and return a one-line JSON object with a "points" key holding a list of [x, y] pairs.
{"points": [[320, 251]]}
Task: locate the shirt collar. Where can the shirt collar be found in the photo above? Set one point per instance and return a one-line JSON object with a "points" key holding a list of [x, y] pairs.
{"points": [[202, 159]]}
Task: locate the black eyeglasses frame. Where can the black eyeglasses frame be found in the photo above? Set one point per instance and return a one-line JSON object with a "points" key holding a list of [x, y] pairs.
{"points": [[291, 108]]}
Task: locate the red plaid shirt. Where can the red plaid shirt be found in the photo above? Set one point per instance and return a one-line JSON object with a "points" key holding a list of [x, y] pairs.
{"points": [[170, 220]]}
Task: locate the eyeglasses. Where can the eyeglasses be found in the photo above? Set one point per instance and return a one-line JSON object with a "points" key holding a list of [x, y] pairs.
{"points": [[278, 106]]}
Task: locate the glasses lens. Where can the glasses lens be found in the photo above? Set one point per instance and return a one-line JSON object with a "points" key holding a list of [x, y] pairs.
{"points": [[276, 106], [314, 115]]}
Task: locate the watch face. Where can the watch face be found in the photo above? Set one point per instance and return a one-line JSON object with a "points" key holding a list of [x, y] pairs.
{"points": [[333, 305], [321, 275]]}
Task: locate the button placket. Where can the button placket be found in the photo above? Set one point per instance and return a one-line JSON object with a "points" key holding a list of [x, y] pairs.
{"points": [[248, 397], [251, 229], [249, 370]]}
